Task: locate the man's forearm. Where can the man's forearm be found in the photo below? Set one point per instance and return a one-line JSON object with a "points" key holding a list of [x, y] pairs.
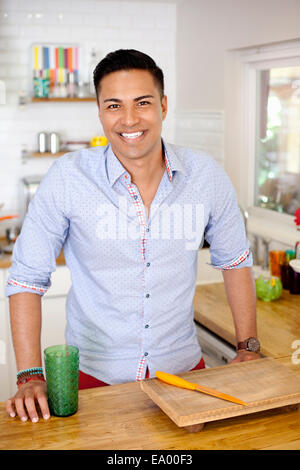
{"points": [[241, 295], [25, 318]]}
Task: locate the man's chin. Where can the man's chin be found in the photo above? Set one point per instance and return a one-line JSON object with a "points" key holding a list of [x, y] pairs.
{"points": [[129, 155], [129, 152]]}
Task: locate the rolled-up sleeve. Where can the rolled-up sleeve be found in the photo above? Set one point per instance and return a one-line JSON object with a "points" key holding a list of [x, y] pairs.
{"points": [[43, 233], [225, 231]]}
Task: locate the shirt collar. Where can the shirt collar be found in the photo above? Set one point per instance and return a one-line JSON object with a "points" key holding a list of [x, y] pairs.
{"points": [[115, 168], [172, 161]]}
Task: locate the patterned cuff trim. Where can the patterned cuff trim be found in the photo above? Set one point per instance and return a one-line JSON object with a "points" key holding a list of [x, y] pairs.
{"points": [[236, 262], [13, 282]]}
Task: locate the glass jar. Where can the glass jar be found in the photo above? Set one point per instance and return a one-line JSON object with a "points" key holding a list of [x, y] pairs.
{"points": [[284, 269], [294, 278]]}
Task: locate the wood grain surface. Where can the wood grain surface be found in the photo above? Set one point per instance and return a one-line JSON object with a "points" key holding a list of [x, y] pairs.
{"points": [[124, 417], [263, 384], [278, 322]]}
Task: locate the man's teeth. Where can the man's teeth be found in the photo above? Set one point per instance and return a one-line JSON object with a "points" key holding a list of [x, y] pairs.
{"points": [[133, 135]]}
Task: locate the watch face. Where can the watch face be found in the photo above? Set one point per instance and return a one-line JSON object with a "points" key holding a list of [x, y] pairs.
{"points": [[253, 345]]}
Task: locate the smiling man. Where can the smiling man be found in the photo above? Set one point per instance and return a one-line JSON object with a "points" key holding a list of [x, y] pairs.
{"points": [[130, 308], [132, 107]]}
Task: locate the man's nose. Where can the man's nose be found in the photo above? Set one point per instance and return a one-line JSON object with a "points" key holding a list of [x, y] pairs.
{"points": [[130, 117]]}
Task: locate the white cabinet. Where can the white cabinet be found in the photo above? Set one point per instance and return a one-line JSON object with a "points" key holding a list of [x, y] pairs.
{"points": [[53, 325], [54, 321], [5, 348], [4, 352], [54, 308], [206, 274], [60, 282]]}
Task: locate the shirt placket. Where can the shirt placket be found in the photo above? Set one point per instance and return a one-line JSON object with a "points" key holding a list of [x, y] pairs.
{"points": [[143, 227], [143, 230]]}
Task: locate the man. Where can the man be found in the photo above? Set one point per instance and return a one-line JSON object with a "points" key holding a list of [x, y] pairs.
{"points": [[130, 217]]}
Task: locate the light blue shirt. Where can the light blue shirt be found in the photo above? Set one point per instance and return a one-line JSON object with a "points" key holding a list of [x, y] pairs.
{"points": [[130, 305]]}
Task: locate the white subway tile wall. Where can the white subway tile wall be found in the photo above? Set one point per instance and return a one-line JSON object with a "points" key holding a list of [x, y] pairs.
{"points": [[201, 130], [103, 25]]}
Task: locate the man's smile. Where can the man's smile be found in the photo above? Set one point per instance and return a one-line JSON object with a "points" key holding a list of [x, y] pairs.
{"points": [[132, 136]]}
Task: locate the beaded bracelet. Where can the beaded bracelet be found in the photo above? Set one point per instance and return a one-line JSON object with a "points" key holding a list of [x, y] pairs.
{"points": [[23, 380], [31, 371]]}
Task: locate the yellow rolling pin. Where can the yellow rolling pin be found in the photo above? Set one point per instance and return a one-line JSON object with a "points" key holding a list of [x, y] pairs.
{"points": [[179, 382]]}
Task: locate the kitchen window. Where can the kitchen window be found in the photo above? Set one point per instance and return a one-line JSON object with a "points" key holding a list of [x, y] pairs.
{"points": [[262, 135], [277, 181]]}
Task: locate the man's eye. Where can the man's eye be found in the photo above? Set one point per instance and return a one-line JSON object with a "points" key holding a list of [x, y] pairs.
{"points": [[143, 103], [113, 106]]}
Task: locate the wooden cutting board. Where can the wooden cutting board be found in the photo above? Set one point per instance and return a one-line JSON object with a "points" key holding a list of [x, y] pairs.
{"points": [[263, 384]]}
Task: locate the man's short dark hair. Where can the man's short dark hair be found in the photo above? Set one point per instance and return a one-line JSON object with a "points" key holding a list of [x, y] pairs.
{"points": [[128, 59]]}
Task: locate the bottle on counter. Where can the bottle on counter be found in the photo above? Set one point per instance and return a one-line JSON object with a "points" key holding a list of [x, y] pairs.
{"points": [[294, 276], [284, 268], [276, 258]]}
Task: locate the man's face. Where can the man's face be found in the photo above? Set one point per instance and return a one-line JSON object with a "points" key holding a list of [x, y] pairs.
{"points": [[131, 112]]}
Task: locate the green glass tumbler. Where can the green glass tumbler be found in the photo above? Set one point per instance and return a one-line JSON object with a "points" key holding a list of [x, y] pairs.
{"points": [[62, 366]]}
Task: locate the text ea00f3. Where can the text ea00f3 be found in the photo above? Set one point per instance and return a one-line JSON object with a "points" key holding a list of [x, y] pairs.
{"points": [[169, 459]]}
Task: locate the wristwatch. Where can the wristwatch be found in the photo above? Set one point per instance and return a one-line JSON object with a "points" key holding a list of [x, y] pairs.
{"points": [[250, 344]]}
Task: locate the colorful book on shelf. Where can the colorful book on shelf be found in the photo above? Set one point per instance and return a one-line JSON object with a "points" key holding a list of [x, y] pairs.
{"points": [[54, 64]]}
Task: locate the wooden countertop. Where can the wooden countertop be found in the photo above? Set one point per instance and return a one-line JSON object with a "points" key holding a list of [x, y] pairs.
{"points": [[124, 417], [278, 322], [112, 417]]}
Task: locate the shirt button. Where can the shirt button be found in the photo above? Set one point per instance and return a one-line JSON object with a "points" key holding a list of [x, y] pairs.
{"points": [[135, 197], [145, 354], [146, 326], [148, 264], [147, 229], [147, 296]]}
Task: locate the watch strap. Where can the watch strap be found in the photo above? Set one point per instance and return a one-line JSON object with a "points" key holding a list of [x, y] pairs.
{"points": [[242, 345], [250, 344]]}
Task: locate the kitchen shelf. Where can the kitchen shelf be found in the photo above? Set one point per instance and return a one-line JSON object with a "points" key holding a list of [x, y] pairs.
{"points": [[47, 100], [47, 154], [26, 155], [24, 100]]}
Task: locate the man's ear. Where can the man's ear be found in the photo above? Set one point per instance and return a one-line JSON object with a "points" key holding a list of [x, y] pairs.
{"points": [[164, 107]]}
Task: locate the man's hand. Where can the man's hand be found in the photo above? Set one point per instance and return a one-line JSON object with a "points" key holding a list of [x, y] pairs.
{"points": [[243, 356], [23, 403]]}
